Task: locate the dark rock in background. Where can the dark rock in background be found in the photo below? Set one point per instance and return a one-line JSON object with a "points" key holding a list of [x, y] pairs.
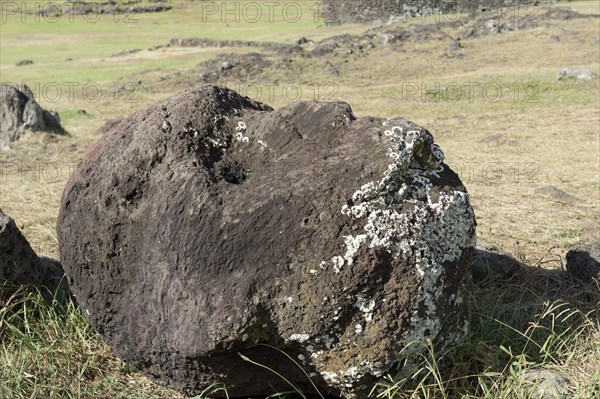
{"points": [[237, 67], [208, 232], [19, 264], [19, 112], [583, 261], [24, 62]]}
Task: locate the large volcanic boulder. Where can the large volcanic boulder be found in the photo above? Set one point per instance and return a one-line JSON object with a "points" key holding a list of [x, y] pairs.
{"points": [[19, 112], [19, 264], [208, 234]]}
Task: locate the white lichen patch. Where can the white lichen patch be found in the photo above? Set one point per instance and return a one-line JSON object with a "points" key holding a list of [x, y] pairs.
{"points": [[405, 180], [433, 230], [212, 134], [239, 132], [217, 143], [358, 329], [330, 377], [354, 373], [367, 306], [338, 263], [300, 338]]}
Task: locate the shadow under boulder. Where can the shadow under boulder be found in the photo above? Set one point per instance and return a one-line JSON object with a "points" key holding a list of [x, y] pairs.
{"points": [[488, 262]]}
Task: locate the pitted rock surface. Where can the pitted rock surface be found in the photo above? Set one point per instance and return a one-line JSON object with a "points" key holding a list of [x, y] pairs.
{"points": [[209, 230]]}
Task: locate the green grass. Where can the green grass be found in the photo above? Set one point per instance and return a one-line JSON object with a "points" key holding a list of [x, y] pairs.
{"points": [[76, 37], [50, 351]]}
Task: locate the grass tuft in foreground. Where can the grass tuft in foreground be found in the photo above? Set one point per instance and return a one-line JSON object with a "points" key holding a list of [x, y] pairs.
{"points": [[50, 351], [542, 320]]}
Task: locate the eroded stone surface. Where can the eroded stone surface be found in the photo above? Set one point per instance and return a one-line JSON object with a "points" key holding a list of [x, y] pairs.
{"points": [[208, 225]]}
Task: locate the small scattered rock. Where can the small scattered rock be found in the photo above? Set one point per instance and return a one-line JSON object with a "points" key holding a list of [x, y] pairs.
{"points": [[555, 193], [420, 51], [562, 13], [234, 66], [393, 19], [583, 261], [24, 62], [545, 384], [126, 52], [384, 38], [455, 44], [453, 49], [209, 77], [377, 23], [332, 69], [485, 25], [324, 49], [493, 138], [577, 74], [226, 66]]}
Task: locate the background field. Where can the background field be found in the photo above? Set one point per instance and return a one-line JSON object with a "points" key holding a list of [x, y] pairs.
{"points": [[535, 132]]}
